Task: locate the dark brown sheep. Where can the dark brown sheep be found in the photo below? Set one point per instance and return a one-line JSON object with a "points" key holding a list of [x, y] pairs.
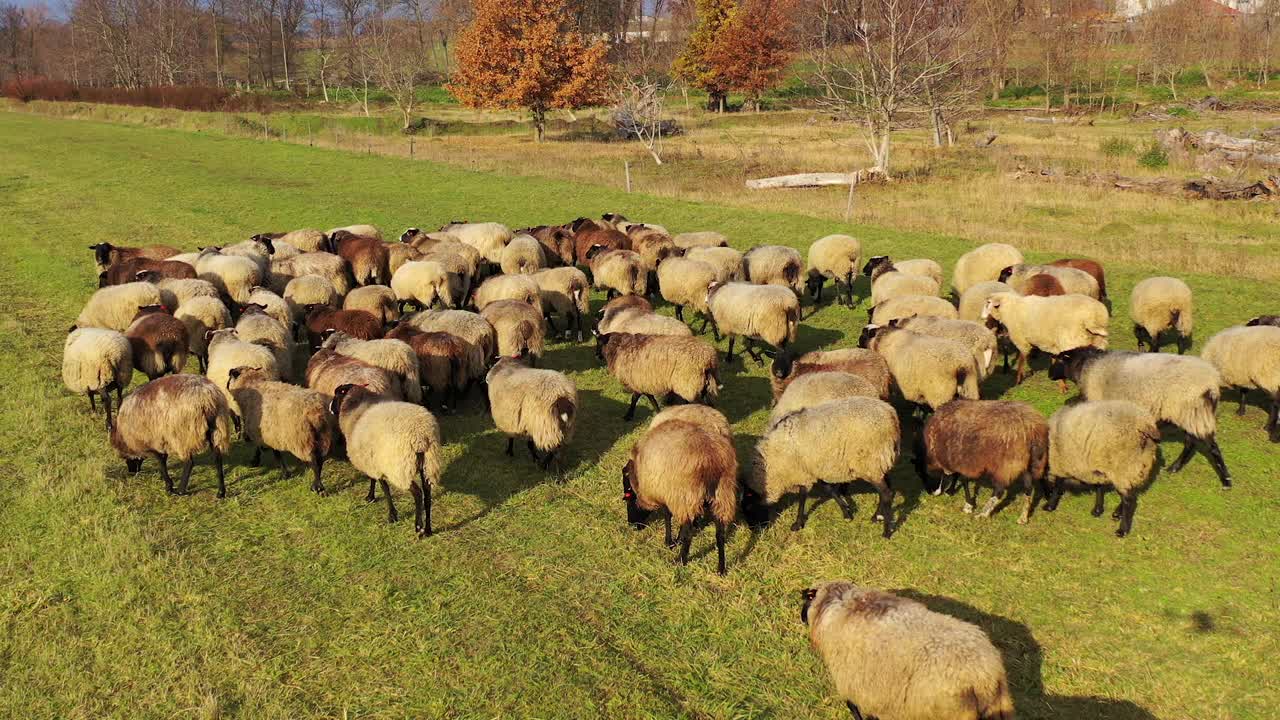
{"points": [[557, 243], [368, 257], [1092, 267], [1043, 286], [106, 254], [442, 359], [158, 340], [588, 233], [866, 364], [1000, 440], [127, 271], [356, 323]]}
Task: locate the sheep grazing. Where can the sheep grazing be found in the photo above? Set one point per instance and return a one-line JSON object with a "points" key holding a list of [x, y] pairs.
{"points": [[233, 275], [113, 308], [356, 323], [1042, 285], [395, 443], [1073, 281], [909, 306], [423, 283], [306, 240], [566, 292], [929, 371], [774, 265], [461, 263], [258, 249], [1176, 389], [509, 287], [369, 231], [520, 328], [1103, 443], [326, 265], [226, 352], [256, 326], [132, 270], [398, 254], [97, 361], [539, 405], [307, 291], [764, 313], [556, 242], [442, 362], [174, 418], [726, 261], [701, 239], [864, 363], [329, 370], [1090, 266], [976, 336], [522, 256], [983, 264], [881, 264], [653, 244], [588, 234], [488, 238], [158, 340], [891, 657], [816, 388], [285, 418], [1272, 320], [619, 272], [697, 414], [1002, 441], [175, 292], [834, 258], [650, 365], [1249, 357], [633, 314], [1050, 324], [481, 339], [368, 257], [201, 316], [974, 299], [1159, 304], [377, 300], [686, 465], [105, 254], [276, 306], [832, 444], [684, 282], [907, 277]]}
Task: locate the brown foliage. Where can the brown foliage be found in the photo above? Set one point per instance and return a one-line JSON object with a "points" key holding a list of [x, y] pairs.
{"points": [[754, 48], [523, 54], [179, 97]]}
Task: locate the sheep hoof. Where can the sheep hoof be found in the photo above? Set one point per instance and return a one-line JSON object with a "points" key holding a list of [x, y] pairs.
{"points": [[222, 494], [797, 526], [1121, 533]]}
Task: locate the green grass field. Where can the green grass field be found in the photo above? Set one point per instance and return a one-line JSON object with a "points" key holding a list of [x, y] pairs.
{"points": [[535, 599]]}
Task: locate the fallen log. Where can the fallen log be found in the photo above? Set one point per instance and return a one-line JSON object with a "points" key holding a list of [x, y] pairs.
{"points": [[1203, 188], [810, 180], [1220, 148]]}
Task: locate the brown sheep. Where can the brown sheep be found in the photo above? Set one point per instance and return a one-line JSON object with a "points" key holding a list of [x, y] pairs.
{"points": [[588, 233], [356, 323], [158, 340], [1090, 266], [1043, 286], [556, 240], [127, 271], [368, 257], [105, 254], [442, 359], [864, 363]]}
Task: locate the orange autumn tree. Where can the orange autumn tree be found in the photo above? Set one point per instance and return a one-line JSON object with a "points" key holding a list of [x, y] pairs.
{"points": [[524, 54], [755, 46]]}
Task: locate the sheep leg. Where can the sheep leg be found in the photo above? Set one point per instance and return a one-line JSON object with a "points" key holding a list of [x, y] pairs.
{"points": [[426, 506], [728, 355], [1216, 459], [1119, 511], [93, 406], [370, 497], [715, 330], [1055, 496], [1099, 501], [202, 361], [1244, 397], [416, 492], [511, 443], [631, 411], [1033, 495], [666, 521], [222, 476], [853, 709], [656, 407], [1273, 419], [680, 313], [720, 534], [1141, 335], [392, 515], [533, 451], [753, 351], [1022, 368], [317, 466], [164, 473], [256, 460], [840, 500], [186, 476], [686, 539], [801, 517], [1129, 505], [1188, 449], [997, 497], [1155, 343], [106, 404], [971, 500], [886, 508], [283, 464]]}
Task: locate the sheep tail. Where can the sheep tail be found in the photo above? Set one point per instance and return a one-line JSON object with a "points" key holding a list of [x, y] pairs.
{"points": [[711, 383], [169, 350], [791, 273], [793, 322], [724, 503], [999, 707], [966, 384], [633, 279], [562, 413]]}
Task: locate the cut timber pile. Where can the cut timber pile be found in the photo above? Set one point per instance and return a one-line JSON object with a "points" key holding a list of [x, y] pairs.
{"points": [[808, 180], [1217, 148], [1203, 188]]}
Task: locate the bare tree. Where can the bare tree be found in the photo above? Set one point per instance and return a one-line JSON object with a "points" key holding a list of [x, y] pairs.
{"points": [[902, 52], [637, 111], [393, 54]]}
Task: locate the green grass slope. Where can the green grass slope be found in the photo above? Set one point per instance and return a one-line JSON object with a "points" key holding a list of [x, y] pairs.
{"points": [[535, 599]]}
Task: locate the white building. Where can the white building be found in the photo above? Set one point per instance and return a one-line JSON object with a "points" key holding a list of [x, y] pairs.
{"points": [[1134, 8]]}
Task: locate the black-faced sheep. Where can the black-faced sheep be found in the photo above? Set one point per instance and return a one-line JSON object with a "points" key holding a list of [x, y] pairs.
{"points": [[368, 257], [481, 339], [329, 370], [774, 265], [684, 282], [256, 326], [1003, 442], [929, 371], [424, 283], [633, 314], [983, 264], [97, 361], [974, 299], [307, 290], [520, 328], [395, 443], [565, 292], [894, 658], [686, 465], [105, 254], [509, 287], [285, 418], [174, 417], [226, 352], [862, 362], [539, 405], [726, 261], [113, 308], [1159, 304], [132, 270], [377, 300], [764, 313], [233, 275], [394, 356], [816, 388], [1073, 281], [1050, 324], [356, 323], [976, 336], [489, 238], [1249, 357], [834, 258], [619, 272], [650, 365]]}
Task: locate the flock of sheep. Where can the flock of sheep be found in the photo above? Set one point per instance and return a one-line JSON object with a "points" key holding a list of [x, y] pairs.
{"points": [[374, 369]]}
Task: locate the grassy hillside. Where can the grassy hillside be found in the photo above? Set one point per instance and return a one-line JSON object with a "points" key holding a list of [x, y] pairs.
{"points": [[535, 599]]}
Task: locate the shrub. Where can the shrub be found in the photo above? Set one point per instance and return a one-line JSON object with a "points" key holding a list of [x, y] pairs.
{"points": [[1154, 157], [178, 97], [1116, 147]]}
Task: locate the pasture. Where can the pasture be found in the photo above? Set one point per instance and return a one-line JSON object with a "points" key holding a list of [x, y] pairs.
{"points": [[535, 599]]}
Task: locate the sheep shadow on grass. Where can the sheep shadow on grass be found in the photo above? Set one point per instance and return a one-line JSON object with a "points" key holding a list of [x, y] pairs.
{"points": [[1023, 661]]}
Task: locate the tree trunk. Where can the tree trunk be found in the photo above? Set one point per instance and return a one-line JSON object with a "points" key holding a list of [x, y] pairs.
{"points": [[539, 124], [284, 49]]}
